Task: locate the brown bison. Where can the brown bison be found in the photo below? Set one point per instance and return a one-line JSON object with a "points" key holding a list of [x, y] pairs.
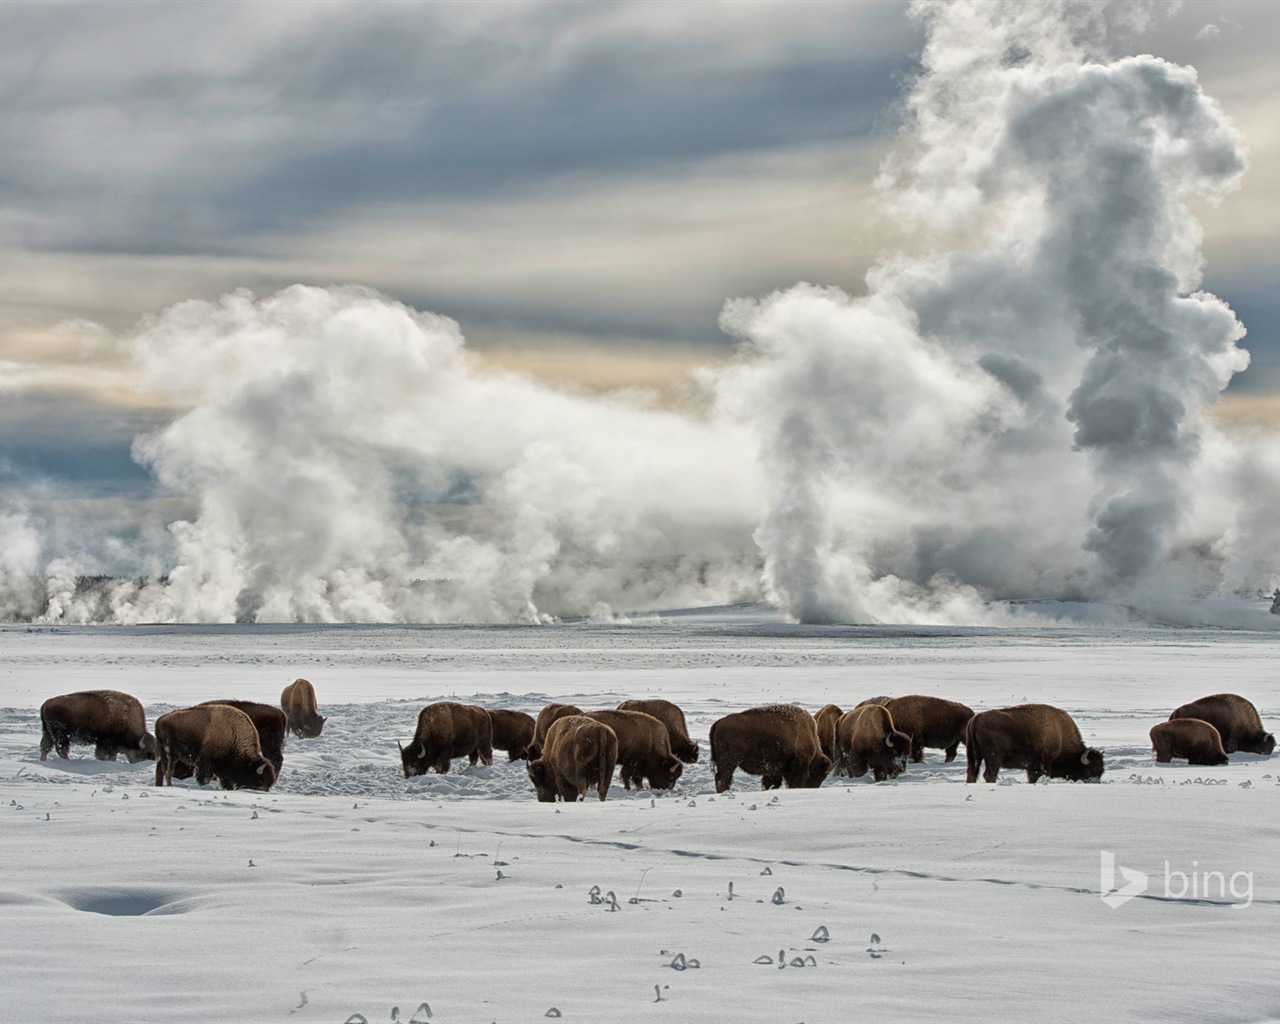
{"points": [[825, 720], [1235, 719], [579, 753], [930, 722], [672, 717], [113, 722], [866, 741], [447, 730], [644, 751], [1038, 737], [1192, 738], [545, 717], [298, 701], [778, 742], [271, 724], [218, 741], [512, 732]]}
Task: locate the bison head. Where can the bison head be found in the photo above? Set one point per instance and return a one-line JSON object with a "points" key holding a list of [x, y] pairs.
{"points": [[146, 750], [1088, 768], [543, 780], [413, 758], [686, 750], [310, 729], [664, 773], [1267, 744], [819, 769]]}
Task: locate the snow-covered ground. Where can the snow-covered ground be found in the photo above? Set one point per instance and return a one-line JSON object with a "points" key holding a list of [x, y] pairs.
{"points": [[349, 890]]}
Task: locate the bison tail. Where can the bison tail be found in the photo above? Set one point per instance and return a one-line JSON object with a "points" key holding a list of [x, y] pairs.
{"points": [[973, 754]]}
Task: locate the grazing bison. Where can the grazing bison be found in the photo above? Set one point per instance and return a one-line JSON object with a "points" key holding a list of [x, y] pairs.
{"points": [[113, 722], [778, 742], [271, 724], [672, 717], [866, 740], [1192, 738], [1235, 719], [644, 751], [447, 730], [218, 741], [825, 720], [298, 701], [545, 717], [1038, 737], [512, 732], [930, 722], [579, 753]]}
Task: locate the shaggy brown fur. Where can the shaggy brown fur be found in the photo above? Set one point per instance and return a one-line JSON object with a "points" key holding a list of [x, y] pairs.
{"points": [[644, 751], [579, 753], [271, 724], [512, 732], [1038, 737], [882, 700], [825, 720], [866, 741], [218, 742], [1192, 738], [545, 717], [298, 701], [1236, 720], [672, 717], [778, 742], [930, 722], [113, 722], [447, 730]]}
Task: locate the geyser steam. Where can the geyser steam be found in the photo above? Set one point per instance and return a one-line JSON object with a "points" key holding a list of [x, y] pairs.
{"points": [[1017, 417]]}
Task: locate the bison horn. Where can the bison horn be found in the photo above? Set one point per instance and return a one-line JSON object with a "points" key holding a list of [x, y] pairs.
{"points": [[401, 746], [888, 741], [262, 767], [1084, 758]]}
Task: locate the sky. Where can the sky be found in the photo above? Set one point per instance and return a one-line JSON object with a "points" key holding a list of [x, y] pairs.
{"points": [[580, 186]]}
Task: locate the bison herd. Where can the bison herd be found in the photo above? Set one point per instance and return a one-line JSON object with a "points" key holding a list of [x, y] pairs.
{"points": [[570, 751]]}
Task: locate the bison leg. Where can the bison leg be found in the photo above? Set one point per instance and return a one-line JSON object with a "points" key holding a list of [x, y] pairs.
{"points": [[64, 747], [992, 771], [46, 741], [724, 776], [486, 753], [160, 770], [917, 752], [952, 751], [1162, 756]]}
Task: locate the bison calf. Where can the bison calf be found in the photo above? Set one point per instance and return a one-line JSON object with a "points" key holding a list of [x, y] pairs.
{"points": [[298, 701], [1236, 720], [1038, 737], [778, 742], [218, 741], [672, 717], [447, 730], [578, 753], [1192, 738], [113, 722], [866, 741]]}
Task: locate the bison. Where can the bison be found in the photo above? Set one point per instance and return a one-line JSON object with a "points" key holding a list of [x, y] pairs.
{"points": [[578, 753], [672, 717], [545, 717], [778, 742], [298, 701], [644, 750], [512, 732], [825, 720], [1038, 737], [112, 721], [1235, 719], [1192, 738], [218, 741], [930, 722], [447, 730], [271, 724], [866, 740]]}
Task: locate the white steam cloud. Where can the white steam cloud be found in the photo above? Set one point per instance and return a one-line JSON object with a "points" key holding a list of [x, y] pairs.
{"points": [[1020, 417]]}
